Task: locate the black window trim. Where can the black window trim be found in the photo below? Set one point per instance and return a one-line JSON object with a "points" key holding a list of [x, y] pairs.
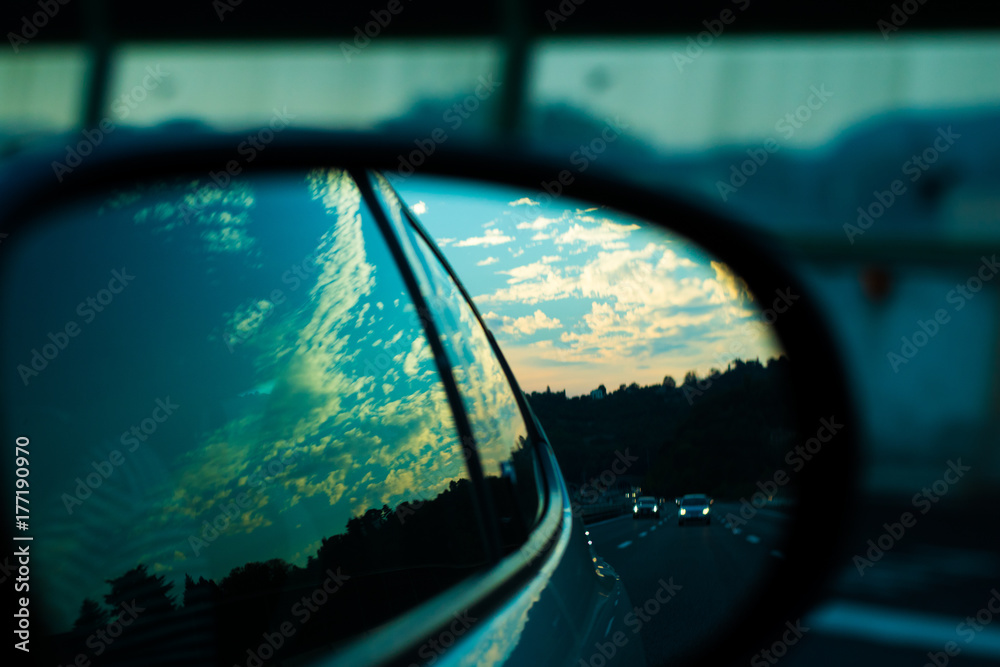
{"points": [[489, 531], [536, 435]]}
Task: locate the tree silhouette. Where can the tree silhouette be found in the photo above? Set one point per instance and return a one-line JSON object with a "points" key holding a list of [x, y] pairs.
{"points": [[150, 592], [92, 616], [201, 591], [669, 382], [255, 577]]}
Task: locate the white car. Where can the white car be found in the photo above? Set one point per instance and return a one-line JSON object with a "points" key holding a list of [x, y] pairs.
{"points": [[694, 507], [645, 506]]}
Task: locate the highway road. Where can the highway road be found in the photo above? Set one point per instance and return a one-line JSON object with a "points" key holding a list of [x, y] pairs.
{"points": [[716, 566], [920, 599]]}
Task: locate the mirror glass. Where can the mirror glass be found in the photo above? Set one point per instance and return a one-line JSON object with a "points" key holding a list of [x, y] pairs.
{"points": [[240, 423], [659, 380]]}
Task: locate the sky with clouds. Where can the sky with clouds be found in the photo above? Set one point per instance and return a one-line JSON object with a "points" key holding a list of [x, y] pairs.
{"points": [[581, 295]]}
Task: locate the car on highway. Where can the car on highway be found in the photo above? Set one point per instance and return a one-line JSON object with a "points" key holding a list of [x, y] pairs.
{"points": [[694, 507], [646, 506]]}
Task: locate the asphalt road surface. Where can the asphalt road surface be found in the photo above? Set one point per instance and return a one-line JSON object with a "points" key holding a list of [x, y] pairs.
{"points": [[715, 565], [936, 589]]}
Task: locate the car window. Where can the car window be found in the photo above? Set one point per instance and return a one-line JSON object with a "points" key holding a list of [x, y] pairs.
{"points": [[498, 425], [249, 450]]}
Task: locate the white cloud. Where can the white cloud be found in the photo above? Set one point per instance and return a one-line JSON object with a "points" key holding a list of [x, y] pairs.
{"points": [[540, 236], [732, 286], [529, 324], [487, 261], [443, 242], [627, 276], [523, 201], [490, 238], [419, 208], [541, 222], [548, 259], [525, 272], [604, 233], [670, 261]]}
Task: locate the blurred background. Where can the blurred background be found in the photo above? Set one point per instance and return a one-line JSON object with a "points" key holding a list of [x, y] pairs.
{"points": [[861, 142]]}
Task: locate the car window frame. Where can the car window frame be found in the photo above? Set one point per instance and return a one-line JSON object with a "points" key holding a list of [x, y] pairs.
{"points": [[536, 435]]}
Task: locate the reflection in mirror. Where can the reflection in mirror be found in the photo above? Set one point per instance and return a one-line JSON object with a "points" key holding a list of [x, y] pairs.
{"points": [[243, 426], [243, 403], [658, 379]]}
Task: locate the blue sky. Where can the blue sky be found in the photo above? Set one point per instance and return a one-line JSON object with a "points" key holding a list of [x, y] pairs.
{"points": [[579, 295]]}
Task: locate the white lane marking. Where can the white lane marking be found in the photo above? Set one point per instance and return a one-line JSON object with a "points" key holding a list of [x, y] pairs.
{"points": [[886, 625], [608, 629], [737, 531], [643, 533], [777, 554], [753, 539], [653, 528], [624, 544]]}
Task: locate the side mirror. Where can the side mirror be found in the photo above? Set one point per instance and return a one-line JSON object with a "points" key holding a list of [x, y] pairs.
{"points": [[231, 384]]}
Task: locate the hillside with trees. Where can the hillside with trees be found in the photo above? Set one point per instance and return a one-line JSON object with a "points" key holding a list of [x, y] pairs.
{"points": [[717, 435]]}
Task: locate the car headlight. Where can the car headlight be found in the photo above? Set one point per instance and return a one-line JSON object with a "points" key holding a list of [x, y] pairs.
{"points": [[635, 508], [683, 511], [705, 511], [655, 507]]}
